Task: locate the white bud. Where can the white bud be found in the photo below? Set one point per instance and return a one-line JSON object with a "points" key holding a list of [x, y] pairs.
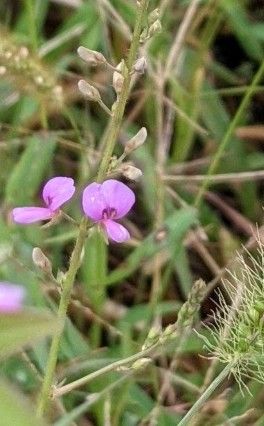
{"points": [[92, 57], [118, 78], [140, 65], [2, 70], [131, 172], [39, 80], [153, 16], [141, 363], [154, 28], [23, 52], [89, 91], [41, 261], [136, 141]]}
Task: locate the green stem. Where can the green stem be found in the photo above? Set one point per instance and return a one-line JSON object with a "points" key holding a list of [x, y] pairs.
{"points": [[62, 315], [231, 128], [110, 367], [113, 130], [206, 395]]}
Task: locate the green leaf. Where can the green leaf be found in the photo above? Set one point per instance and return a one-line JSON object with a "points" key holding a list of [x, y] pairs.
{"points": [[30, 170], [15, 409], [23, 328]]}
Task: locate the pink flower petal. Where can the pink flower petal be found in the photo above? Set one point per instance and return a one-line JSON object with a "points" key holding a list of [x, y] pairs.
{"points": [[57, 191], [11, 297], [118, 196], [31, 214], [93, 201], [115, 231]]}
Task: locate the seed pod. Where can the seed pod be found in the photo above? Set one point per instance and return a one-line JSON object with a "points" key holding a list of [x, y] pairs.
{"points": [[89, 91], [91, 57], [136, 141], [131, 172], [41, 261]]}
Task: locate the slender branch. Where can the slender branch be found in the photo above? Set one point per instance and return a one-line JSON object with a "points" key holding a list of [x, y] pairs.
{"points": [[229, 132], [110, 367], [206, 395]]}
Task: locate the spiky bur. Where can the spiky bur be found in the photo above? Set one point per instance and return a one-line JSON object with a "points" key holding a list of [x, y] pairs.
{"points": [[27, 72], [237, 335], [185, 318]]}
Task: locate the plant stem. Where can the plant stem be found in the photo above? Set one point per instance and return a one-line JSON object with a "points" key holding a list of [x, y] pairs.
{"points": [[229, 132], [62, 314], [113, 130], [110, 367], [206, 395]]}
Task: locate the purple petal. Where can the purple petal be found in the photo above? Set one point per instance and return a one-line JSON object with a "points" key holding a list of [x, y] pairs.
{"points": [[57, 191], [11, 297], [115, 231], [118, 196], [93, 201], [31, 214]]}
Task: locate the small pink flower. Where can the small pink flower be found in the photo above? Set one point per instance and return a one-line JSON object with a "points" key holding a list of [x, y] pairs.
{"points": [[55, 193], [11, 297], [106, 202]]}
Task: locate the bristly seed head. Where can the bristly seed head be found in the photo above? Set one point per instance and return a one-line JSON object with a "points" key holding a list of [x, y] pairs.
{"points": [[237, 334]]}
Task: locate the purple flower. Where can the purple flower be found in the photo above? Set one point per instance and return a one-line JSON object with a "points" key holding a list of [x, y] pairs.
{"points": [[56, 192], [11, 297], [106, 202]]}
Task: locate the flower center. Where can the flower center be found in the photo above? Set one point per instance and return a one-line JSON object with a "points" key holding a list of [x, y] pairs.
{"points": [[108, 213]]}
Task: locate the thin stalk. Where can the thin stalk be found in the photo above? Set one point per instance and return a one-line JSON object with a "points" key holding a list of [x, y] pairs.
{"points": [[110, 367], [62, 315], [206, 395], [113, 130], [231, 128]]}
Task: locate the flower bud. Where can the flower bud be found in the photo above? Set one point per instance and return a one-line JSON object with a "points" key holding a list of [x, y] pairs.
{"points": [[153, 16], [136, 141], [154, 28], [41, 261], [118, 78], [140, 65], [91, 57], [141, 363], [131, 172], [89, 91]]}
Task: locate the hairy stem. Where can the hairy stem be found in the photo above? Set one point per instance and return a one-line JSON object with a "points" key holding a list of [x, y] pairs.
{"points": [[118, 113], [206, 395], [62, 315]]}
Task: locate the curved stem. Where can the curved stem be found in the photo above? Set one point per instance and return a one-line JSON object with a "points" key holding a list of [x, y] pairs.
{"points": [[206, 395]]}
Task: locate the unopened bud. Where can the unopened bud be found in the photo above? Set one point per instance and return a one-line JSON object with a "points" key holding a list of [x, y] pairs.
{"points": [[92, 57], [131, 172], [153, 16], [41, 261], [89, 91], [118, 79], [154, 28], [2, 70], [140, 65], [141, 363], [136, 141]]}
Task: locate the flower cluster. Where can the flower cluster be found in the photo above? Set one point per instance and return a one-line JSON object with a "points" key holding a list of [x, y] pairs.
{"points": [[102, 203]]}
